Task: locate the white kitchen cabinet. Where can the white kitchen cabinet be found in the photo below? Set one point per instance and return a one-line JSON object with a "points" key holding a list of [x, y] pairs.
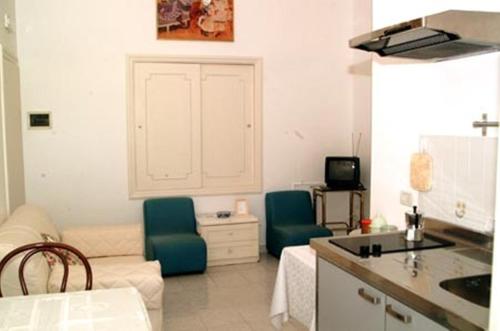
{"points": [[348, 304], [401, 318], [194, 126]]}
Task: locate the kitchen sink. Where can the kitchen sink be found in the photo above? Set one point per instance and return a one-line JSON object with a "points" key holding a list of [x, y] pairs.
{"points": [[475, 289]]}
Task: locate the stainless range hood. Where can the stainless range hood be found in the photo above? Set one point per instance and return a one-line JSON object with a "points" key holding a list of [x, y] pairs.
{"points": [[438, 37]]}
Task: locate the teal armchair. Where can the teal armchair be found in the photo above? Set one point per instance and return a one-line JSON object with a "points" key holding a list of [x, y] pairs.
{"points": [[290, 221], [171, 237]]}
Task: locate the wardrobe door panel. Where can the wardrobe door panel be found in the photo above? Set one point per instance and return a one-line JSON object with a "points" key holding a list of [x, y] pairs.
{"points": [[228, 125], [167, 126]]}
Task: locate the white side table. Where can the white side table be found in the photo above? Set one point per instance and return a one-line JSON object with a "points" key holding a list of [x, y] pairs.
{"points": [[230, 240]]}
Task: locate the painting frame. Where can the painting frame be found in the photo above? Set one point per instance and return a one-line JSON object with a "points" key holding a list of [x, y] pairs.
{"points": [[195, 20]]}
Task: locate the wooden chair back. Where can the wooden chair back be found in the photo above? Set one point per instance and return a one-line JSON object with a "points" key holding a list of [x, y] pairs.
{"points": [[54, 248]]}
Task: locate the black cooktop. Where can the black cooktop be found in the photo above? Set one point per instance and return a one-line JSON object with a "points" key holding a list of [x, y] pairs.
{"points": [[387, 243]]}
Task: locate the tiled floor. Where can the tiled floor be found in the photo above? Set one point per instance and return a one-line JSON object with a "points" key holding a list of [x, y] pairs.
{"points": [[232, 298]]}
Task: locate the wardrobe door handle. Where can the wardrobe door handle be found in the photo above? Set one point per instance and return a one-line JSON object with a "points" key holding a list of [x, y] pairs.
{"points": [[406, 319], [367, 297]]}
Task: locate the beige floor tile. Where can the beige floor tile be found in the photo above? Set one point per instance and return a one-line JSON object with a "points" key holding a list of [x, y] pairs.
{"points": [[229, 279], [172, 285], [212, 300], [217, 317], [231, 327], [235, 297], [258, 275], [255, 313], [196, 282], [190, 323]]}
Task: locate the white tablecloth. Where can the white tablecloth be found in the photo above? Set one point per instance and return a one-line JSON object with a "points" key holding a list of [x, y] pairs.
{"points": [[111, 309], [295, 288]]}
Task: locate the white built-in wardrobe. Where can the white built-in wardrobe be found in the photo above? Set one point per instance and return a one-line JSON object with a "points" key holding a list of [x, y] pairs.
{"points": [[194, 126]]}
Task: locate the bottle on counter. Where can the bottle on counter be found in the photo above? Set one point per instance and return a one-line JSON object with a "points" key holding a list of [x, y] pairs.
{"points": [[377, 223]]}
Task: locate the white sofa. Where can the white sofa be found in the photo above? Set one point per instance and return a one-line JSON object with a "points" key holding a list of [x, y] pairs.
{"points": [[115, 252]]}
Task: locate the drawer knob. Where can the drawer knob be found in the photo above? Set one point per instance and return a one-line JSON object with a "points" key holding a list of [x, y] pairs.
{"points": [[230, 250], [231, 233]]}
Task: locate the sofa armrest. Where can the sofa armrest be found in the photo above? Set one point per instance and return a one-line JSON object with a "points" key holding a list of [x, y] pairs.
{"points": [[106, 240]]}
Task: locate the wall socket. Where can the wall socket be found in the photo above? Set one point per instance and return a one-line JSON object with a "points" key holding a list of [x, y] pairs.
{"points": [[406, 198]]}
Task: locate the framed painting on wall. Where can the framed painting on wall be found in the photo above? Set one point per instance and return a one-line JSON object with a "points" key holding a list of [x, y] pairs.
{"points": [[210, 20]]}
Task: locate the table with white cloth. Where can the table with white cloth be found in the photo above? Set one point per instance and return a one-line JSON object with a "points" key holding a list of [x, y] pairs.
{"points": [[110, 309], [295, 288]]}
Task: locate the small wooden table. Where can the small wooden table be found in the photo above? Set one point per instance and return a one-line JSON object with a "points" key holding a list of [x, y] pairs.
{"points": [[111, 309], [321, 191], [230, 240]]}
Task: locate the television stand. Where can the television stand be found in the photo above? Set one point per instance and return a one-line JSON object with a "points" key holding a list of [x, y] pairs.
{"points": [[321, 191]]}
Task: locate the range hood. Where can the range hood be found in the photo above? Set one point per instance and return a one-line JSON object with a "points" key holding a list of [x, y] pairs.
{"points": [[442, 36]]}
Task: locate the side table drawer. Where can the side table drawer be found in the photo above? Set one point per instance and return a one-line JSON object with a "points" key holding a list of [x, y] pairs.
{"points": [[223, 234], [238, 251]]}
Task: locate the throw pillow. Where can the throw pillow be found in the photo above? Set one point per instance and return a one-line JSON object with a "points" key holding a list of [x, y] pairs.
{"points": [[53, 259]]}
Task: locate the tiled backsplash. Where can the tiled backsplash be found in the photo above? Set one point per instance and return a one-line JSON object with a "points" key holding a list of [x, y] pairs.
{"points": [[463, 181]]}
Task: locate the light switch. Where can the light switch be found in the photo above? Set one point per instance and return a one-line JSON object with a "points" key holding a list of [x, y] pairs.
{"points": [[39, 120], [406, 198]]}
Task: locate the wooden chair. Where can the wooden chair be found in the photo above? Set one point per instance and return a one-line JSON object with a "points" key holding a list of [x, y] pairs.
{"points": [[54, 248]]}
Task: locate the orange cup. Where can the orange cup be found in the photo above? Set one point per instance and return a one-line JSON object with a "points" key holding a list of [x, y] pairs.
{"points": [[365, 225]]}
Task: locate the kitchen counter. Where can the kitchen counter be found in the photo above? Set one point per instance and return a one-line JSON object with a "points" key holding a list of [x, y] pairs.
{"points": [[413, 278]]}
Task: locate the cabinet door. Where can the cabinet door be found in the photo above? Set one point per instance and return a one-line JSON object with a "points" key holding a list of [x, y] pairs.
{"points": [[166, 127], [13, 132], [8, 35], [401, 318], [230, 155], [346, 303]]}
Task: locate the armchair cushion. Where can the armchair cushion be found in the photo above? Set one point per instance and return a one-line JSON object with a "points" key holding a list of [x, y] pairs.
{"points": [[293, 235], [178, 252], [171, 237]]}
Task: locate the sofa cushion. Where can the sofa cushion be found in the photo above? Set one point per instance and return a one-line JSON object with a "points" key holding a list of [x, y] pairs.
{"points": [[35, 218], [143, 276], [36, 271], [106, 240], [117, 259]]}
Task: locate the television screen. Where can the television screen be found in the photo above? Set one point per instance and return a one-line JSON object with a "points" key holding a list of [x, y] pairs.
{"points": [[342, 172]]}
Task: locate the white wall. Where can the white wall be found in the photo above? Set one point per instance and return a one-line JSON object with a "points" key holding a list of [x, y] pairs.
{"points": [[72, 56], [361, 70], [411, 99]]}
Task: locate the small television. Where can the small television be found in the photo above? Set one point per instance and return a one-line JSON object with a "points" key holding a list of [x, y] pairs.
{"points": [[342, 172]]}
